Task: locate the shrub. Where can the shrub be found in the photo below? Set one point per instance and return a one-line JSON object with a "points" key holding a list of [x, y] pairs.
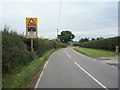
{"points": [[16, 49], [107, 44]]}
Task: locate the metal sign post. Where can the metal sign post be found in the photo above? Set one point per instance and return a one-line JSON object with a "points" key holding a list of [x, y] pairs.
{"points": [[31, 45], [31, 30]]}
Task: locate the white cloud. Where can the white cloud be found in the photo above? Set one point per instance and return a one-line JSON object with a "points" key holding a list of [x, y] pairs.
{"points": [[104, 32], [85, 19]]}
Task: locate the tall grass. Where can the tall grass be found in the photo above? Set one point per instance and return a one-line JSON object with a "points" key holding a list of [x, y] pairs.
{"points": [[24, 77]]}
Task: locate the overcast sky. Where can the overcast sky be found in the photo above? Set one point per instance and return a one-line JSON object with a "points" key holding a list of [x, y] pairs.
{"points": [[83, 19]]}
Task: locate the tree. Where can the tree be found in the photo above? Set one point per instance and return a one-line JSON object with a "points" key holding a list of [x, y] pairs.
{"points": [[82, 40], [100, 38], [66, 36], [92, 39]]}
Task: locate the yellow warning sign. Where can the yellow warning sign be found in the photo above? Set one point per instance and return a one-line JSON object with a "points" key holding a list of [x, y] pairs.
{"points": [[31, 28]]}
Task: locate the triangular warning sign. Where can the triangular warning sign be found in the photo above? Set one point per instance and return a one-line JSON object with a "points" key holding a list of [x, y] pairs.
{"points": [[31, 22]]}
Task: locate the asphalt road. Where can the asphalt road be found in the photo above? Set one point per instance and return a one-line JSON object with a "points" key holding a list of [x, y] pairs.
{"points": [[67, 68]]}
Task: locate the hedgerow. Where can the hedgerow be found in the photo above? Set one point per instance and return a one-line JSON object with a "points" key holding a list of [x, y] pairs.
{"points": [[107, 44], [16, 49]]}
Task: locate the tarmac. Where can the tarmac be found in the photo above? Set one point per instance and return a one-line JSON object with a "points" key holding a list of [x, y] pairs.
{"points": [[109, 60]]}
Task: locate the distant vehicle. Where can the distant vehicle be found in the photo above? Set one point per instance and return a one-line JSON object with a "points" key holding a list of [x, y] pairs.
{"points": [[76, 45]]}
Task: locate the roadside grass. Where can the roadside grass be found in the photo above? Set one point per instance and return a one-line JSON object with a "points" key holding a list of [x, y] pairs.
{"points": [[95, 52], [23, 78]]}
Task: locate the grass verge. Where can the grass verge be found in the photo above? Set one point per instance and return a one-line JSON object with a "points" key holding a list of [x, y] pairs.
{"points": [[23, 78], [95, 52]]}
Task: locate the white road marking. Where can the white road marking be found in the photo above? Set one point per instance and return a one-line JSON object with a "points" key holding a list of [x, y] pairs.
{"points": [[42, 72], [39, 80], [114, 66], [67, 54], [45, 64], [91, 76]]}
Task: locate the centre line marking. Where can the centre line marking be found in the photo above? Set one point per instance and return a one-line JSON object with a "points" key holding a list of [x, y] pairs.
{"points": [[91, 76], [67, 54]]}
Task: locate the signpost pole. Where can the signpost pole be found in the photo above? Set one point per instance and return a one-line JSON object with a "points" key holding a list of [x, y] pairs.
{"points": [[57, 33], [31, 30], [31, 45]]}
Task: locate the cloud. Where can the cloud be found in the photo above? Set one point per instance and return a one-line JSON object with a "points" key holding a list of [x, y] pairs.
{"points": [[82, 18], [105, 32]]}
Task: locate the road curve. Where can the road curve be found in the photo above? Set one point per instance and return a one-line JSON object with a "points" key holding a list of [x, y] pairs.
{"points": [[67, 68]]}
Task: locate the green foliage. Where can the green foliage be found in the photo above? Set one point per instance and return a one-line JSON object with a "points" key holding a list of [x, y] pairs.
{"points": [[66, 36], [16, 50], [107, 44], [23, 78], [100, 38], [82, 40], [95, 52], [42, 45], [92, 39]]}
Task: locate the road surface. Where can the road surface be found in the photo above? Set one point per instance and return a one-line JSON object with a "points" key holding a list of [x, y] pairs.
{"points": [[67, 68]]}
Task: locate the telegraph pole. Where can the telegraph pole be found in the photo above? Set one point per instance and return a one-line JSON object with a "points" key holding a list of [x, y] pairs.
{"points": [[59, 17], [57, 33]]}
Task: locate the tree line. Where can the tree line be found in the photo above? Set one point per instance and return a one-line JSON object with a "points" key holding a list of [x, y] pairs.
{"points": [[82, 40], [101, 43]]}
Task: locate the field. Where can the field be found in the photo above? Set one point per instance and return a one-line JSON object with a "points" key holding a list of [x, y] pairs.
{"points": [[95, 52]]}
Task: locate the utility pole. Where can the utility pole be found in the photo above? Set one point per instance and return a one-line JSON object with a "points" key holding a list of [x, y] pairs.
{"points": [[57, 33], [79, 39], [59, 17]]}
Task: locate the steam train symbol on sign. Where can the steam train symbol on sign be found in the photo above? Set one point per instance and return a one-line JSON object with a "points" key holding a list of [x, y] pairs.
{"points": [[31, 25], [31, 28]]}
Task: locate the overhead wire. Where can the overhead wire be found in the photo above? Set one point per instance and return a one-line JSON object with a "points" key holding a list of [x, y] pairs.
{"points": [[59, 15], [59, 18]]}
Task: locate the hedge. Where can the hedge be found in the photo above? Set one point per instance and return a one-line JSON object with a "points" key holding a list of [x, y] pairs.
{"points": [[16, 50], [106, 44]]}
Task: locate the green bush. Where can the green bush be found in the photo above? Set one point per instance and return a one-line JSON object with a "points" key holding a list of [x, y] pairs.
{"points": [[42, 45], [16, 49], [107, 44]]}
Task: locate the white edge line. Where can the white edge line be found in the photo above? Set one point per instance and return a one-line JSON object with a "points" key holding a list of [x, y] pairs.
{"points": [[67, 54], [45, 64], [42, 72], [91, 76], [39, 80]]}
